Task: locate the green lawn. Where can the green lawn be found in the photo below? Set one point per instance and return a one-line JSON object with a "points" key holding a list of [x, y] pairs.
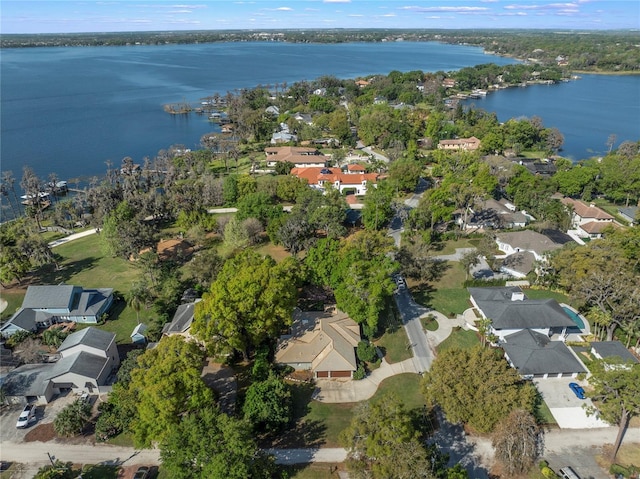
{"points": [[547, 294], [459, 339], [84, 264], [313, 471], [449, 247], [544, 415], [429, 323], [406, 387], [446, 295], [14, 298], [320, 424], [393, 341]]}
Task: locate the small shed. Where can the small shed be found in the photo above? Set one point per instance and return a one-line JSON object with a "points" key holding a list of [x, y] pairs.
{"points": [[138, 335]]}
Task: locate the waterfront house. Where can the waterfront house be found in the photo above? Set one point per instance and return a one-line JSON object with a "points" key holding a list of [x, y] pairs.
{"points": [[296, 155], [353, 181], [321, 342], [468, 144]]}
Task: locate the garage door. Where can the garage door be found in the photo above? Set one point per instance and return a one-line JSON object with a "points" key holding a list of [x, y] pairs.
{"points": [[322, 374], [340, 374]]}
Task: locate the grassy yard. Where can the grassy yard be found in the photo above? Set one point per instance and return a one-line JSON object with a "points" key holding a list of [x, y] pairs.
{"points": [[459, 339], [449, 247], [320, 424], [393, 342], [14, 298], [445, 295], [314, 471], [547, 294], [84, 264]]}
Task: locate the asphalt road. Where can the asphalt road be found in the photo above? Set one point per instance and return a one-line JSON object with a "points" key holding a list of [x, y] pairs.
{"points": [[410, 311]]}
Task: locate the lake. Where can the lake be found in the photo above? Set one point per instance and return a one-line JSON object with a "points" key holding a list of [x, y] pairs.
{"points": [[587, 111], [69, 110]]}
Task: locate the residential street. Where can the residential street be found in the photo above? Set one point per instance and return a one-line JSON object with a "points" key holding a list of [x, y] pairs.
{"points": [[410, 311], [561, 447]]}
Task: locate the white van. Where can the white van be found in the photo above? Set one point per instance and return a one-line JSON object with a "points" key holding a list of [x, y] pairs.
{"points": [[568, 473]]}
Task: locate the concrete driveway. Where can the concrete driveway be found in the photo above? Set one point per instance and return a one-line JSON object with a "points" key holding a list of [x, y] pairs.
{"points": [[566, 408]]}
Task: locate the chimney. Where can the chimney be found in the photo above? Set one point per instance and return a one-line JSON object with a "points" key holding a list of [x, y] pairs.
{"points": [[517, 296]]}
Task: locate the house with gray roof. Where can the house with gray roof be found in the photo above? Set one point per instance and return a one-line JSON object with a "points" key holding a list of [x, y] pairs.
{"points": [[510, 311], [495, 214], [181, 321], [322, 342], [612, 349], [534, 355], [45, 305], [629, 214], [87, 359]]}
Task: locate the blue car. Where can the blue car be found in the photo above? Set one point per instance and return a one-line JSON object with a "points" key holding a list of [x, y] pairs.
{"points": [[577, 389]]}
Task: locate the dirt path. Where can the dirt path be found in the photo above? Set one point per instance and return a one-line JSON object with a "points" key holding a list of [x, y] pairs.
{"points": [[3, 305]]}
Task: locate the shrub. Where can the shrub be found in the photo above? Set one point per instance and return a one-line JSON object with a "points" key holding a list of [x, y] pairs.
{"points": [[366, 352], [360, 373], [548, 473]]}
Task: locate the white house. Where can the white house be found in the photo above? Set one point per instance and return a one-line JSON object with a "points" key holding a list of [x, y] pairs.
{"points": [[354, 180], [510, 311], [588, 220], [296, 155]]}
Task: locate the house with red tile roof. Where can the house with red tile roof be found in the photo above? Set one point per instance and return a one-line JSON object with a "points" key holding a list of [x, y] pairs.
{"points": [[589, 220], [319, 178], [299, 156]]}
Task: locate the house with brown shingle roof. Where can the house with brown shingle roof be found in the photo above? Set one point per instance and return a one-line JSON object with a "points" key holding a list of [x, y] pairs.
{"points": [[323, 342], [299, 156], [589, 220], [320, 178]]}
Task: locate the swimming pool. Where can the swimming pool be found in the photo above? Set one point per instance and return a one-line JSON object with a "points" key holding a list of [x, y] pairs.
{"points": [[574, 317]]}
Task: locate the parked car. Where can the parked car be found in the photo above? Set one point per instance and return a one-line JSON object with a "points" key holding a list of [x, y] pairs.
{"points": [[141, 473], [401, 282], [578, 391], [27, 416]]}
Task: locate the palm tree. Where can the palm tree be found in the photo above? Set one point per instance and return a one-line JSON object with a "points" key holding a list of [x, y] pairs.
{"points": [[137, 298]]}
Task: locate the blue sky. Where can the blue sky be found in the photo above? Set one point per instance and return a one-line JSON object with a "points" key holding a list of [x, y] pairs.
{"points": [[65, 16]]}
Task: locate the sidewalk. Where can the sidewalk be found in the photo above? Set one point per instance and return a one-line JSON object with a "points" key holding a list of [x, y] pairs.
{"points": [[72, 237]]}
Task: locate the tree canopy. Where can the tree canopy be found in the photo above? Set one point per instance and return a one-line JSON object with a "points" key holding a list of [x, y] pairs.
{"points": [[167, 384], [476, 387], [209, 444], [382, 442], [250, 302]]}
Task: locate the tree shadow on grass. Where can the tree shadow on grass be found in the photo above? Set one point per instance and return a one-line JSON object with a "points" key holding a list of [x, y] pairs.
{"points": [[50, 275], [303, 432]]}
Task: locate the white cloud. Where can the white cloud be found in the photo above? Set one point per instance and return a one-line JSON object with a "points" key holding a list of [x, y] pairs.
{"points": [[446, 9], [284, 9], [336, 1], [548, 6]]}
